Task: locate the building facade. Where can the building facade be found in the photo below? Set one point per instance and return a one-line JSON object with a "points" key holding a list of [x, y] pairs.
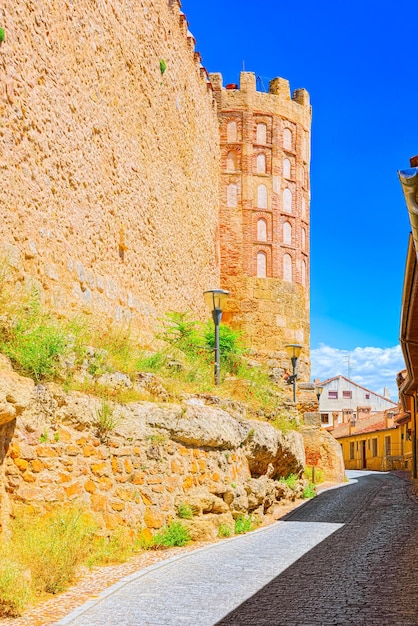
{"points": [[343, 401], [376, 442], [264, 213]]}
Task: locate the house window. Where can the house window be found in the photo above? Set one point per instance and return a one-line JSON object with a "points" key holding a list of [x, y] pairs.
{"points": [[261, 265], [231, 132], [388, 446], [332, 395], [374, 447], [324, 418], [262, 197], [347, 394], [261, 133], [261, 163], [351, 450], [367, 396]]}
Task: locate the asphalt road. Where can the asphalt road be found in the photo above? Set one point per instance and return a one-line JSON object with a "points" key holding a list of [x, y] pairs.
{"points": [[348, 557]]}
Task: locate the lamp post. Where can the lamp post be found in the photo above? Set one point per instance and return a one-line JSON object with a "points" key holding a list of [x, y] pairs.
{"points": [[216, 299], [318, 391], [293, 350]]}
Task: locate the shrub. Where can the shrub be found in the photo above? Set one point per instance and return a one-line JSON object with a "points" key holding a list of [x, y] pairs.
{"points": [[243, 524], [117, 548], [175, 534], [53, 546], [230, 346], [2, 35], [15, 590]]}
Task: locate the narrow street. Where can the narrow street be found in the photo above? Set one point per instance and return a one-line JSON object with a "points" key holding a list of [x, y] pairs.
{"points": [[348, 557]]}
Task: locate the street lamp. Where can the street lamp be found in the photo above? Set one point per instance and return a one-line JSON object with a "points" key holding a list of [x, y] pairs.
{"points": [[293, 350], [318, 391], [216, 299]]}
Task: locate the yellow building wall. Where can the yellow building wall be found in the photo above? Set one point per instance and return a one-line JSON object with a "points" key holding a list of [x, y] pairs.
{"points": [[380, 450]]}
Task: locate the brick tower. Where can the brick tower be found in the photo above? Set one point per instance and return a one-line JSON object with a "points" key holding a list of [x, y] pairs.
{"points": [[264, 214]]}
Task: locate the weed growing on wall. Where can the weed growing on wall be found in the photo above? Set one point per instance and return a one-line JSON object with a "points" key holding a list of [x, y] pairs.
{"points": [[290, 481], [105, 421], [185, 511]]}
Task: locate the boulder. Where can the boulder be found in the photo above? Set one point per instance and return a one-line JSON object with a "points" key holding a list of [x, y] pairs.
{"points": [[16, 392], [265, 445], [206, 528], [324, 452]]}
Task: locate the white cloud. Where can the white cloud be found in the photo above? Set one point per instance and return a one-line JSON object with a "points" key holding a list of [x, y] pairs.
{"points": [[374, 368]]}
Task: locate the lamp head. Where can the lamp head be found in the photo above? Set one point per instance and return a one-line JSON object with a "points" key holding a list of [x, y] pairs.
{"points": [[293, 350], [318, 391], [216, 299]]}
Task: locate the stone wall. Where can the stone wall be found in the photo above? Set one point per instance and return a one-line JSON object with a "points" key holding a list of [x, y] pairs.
{"points": [[137, 473], [109, 194]]}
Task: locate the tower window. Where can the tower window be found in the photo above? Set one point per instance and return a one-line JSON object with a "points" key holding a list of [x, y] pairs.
{"points": [[261, 133], [261, 163], [262, 230], [262, 197], [261, 265]]}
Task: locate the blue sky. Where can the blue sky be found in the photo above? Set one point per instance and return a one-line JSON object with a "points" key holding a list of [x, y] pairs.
{"points": [[357, 61]]}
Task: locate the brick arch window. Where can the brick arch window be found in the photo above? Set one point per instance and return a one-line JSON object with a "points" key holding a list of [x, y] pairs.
{"points": [[231, 132], [303, 272], [261, 163], [303, 207], [287, 139], [231, 161], [286, 168], [261, 230], [262, 197], [303, 239], [287, 200], [287, 268], [287, 233], [261, 265], [231, 195], [261, 135]]}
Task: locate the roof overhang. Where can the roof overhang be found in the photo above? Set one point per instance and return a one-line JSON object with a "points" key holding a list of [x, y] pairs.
{"points": [[409, 314]]}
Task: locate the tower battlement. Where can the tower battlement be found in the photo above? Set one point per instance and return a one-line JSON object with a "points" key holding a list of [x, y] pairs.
{"points": [[278, 97]]}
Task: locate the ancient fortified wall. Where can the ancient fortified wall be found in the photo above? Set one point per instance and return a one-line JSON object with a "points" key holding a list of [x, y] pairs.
{"points": [[111, 165], [109, 159], [264, 213]]}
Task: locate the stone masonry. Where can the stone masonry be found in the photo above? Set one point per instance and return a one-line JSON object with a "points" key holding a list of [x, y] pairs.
{"points": [[109, 160]]}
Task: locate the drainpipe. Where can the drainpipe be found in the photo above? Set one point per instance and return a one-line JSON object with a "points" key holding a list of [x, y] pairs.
{"points": [[414, 441]]}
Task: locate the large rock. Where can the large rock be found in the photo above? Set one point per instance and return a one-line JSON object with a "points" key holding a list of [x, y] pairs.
{"points": [[324, 452], [16, 393], [267, 446]]}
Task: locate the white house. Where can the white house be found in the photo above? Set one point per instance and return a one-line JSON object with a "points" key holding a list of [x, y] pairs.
{"points": [[342, 400]]}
